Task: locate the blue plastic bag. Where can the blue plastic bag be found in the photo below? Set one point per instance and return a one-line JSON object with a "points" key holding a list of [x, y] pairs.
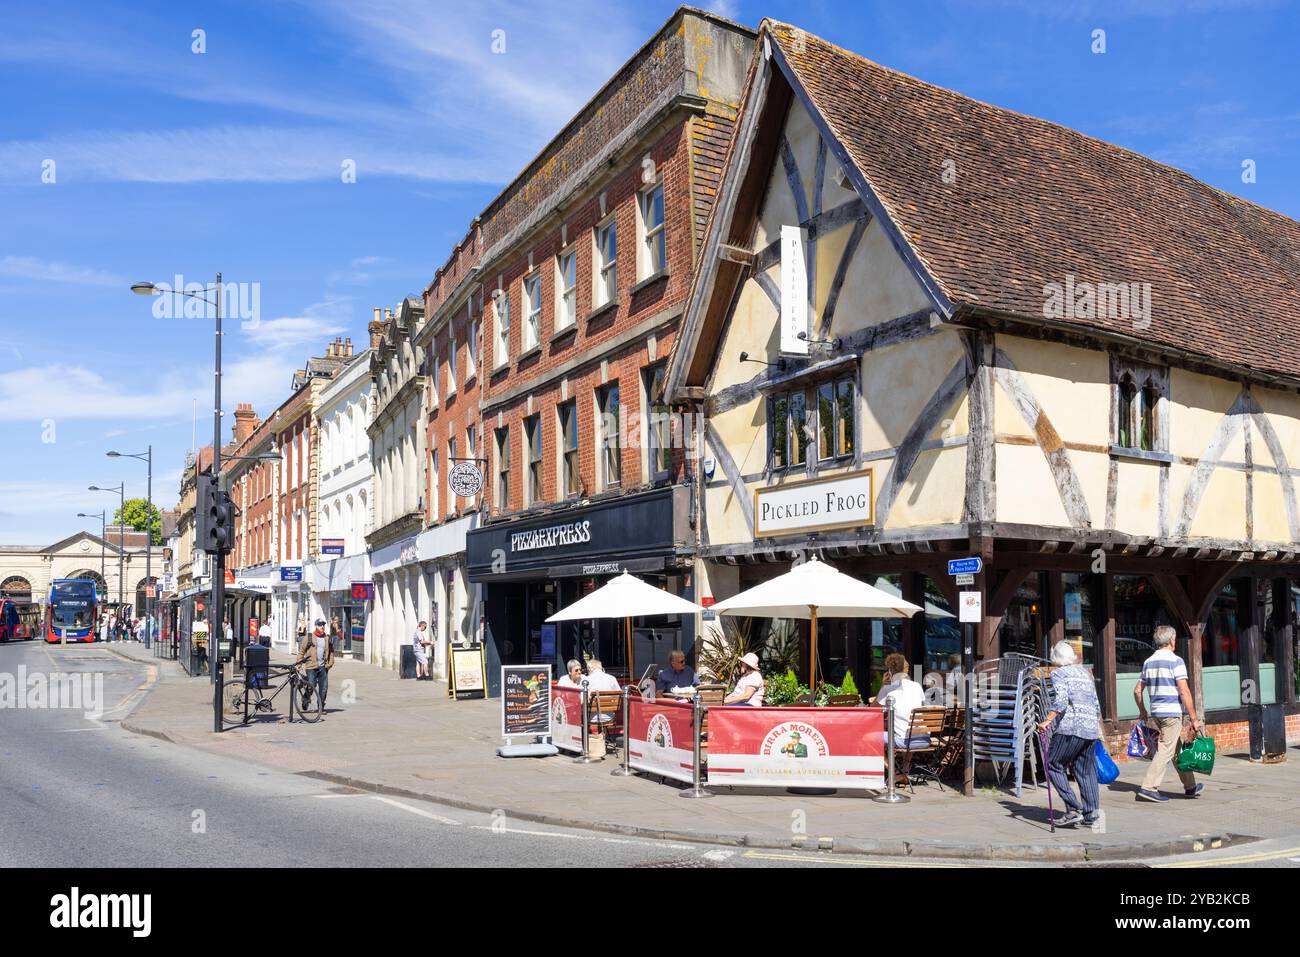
{"points": [[1141, 743], [1107, 769]]}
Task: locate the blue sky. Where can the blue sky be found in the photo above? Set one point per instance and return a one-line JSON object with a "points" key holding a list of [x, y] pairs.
{"points": [[168, 162]]}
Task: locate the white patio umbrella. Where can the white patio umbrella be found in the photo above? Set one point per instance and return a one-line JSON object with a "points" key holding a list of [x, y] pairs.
{"points": [[814, 588], [626, 597]]}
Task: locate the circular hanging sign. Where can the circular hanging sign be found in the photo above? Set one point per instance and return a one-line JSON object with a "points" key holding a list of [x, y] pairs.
{"points": [[465, 479]]}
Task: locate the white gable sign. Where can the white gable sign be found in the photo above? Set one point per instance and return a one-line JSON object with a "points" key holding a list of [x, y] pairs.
{"points": [[794, 291]]}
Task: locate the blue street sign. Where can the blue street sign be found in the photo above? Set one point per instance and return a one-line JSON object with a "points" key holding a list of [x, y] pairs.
{"points": [[965, 566], [290, 573]]}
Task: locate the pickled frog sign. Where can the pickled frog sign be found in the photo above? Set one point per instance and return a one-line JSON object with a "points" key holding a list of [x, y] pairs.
{"points": [[784, 747], [845, 501], [660, 738]]}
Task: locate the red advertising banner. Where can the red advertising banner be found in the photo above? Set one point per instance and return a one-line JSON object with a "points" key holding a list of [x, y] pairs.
{"points": [[660, 738], [797, 747], [566, 718]]}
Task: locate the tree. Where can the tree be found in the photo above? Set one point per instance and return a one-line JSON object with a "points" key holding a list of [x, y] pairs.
{"points": [[132, 514]]}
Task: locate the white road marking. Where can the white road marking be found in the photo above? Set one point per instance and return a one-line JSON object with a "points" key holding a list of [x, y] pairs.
{"points": [[584, 837], [386, 800], [717, 855], [415, 810]]}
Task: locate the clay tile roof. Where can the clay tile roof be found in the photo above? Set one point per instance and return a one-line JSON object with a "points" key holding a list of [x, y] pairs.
{"points": [[1033, 202]]}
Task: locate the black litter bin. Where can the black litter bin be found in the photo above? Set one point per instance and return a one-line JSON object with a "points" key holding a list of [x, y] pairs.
{"points": [[1267, 724], [408, 661], [257, 661]]}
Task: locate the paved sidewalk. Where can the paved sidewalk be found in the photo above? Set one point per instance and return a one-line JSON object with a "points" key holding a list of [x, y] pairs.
{"points": [[407, 737]]}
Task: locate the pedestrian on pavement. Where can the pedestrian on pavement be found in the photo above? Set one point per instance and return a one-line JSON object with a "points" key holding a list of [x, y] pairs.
{"points": [[264, 633], [573, 676], [139, 630], [1074, 723], [317, 654], [678, 674], [1164, 674], [105, 628], [420, 645]]}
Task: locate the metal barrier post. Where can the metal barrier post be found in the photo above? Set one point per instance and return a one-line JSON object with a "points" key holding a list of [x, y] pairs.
{"points": [[890, 796], [584, 758], [697, 724], [626, 770]]}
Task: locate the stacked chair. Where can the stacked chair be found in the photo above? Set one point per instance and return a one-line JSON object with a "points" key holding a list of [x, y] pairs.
{"points": [[1005, 715]]}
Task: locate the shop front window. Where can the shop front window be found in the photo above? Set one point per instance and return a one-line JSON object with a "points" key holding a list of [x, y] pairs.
{"points": [[1221, 647], [942, 632], [1081, 602], [1021, 631], [1138, 610], [883, 637]]}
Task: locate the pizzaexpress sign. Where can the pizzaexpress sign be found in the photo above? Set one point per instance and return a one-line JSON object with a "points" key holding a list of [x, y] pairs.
{"points": [[570, 533]]}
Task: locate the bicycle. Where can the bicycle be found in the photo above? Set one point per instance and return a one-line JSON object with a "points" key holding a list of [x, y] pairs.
{"points": [[248, 692]]}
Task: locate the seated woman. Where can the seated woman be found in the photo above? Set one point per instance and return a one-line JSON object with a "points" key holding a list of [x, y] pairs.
{"points": [[906, 696], [749, 686]]}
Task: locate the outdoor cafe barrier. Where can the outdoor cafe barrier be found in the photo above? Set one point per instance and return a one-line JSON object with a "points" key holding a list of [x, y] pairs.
{"points": [[568, 712], [841, 748], [660, 737], [797, 747]]}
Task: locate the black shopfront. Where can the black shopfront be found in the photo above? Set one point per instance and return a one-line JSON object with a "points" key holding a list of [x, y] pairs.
{"points": [[529, 568]]}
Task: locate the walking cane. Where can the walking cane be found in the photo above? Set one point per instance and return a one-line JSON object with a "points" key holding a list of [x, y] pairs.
{"points": [[1042, 745]]}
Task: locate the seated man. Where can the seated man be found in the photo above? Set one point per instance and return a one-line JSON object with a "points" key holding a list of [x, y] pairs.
{"points": [[573, 677], [906, 696], [598, 679], [678, 674]]}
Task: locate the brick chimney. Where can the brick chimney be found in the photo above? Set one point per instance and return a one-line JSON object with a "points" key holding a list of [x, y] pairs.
{"points": [[376, 330], [246, 422], [346, 350]]}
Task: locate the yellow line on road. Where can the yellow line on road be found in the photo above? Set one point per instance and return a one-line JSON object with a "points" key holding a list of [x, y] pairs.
{"points": [[874, 862], [1239, 859]]}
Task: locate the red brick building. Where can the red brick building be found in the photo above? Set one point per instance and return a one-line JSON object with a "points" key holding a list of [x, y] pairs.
{"points": [[547, 337]]}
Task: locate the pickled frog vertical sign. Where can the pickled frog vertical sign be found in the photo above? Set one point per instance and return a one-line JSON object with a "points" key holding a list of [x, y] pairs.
{"points": [[794, 291]]}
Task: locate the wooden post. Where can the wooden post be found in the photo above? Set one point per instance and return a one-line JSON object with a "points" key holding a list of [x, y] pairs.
{"points": [[631, 665], [1110, 701]]}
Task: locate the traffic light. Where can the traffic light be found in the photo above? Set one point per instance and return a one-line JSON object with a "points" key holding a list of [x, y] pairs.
{"points": [[214, 517]]}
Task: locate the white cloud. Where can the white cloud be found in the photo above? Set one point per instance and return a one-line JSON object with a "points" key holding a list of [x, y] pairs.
{"points": [[233, 154], [43, 270]]}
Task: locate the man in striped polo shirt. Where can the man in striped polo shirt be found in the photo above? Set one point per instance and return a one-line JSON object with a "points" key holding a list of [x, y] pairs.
{"points": [[1164, 677]]}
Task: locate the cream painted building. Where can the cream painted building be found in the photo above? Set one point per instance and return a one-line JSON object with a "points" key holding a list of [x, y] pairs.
{"points": [[397, 455], [927, 328]]}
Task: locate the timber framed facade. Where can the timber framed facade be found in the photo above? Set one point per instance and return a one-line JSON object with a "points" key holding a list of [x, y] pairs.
{"points": [[1117, 463]]}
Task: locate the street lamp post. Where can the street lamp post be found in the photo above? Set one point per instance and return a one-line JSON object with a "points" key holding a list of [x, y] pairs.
{"points": [[121, 531], [103, 530], [146, 457], [218, 599]]}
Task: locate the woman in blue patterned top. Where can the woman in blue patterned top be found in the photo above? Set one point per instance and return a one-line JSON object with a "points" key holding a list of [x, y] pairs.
{"points": [[1077, 719]]}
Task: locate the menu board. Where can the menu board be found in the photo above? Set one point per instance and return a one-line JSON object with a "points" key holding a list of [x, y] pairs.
{"points": [[525, 700], [467, 680]]}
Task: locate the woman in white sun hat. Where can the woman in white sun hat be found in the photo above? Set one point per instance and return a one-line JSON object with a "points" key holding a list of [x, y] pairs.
{"points": [[749, 686]]}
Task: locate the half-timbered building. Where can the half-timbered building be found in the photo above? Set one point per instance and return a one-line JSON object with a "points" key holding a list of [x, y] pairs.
{"points": [[924, 327]]}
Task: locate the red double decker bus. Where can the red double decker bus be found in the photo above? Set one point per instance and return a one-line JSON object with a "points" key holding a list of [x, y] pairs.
{"points": [[72, 611], [18, 619]]}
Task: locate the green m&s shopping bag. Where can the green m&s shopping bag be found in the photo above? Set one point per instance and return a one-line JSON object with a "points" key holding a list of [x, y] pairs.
{"points": [[1198, 756]]}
